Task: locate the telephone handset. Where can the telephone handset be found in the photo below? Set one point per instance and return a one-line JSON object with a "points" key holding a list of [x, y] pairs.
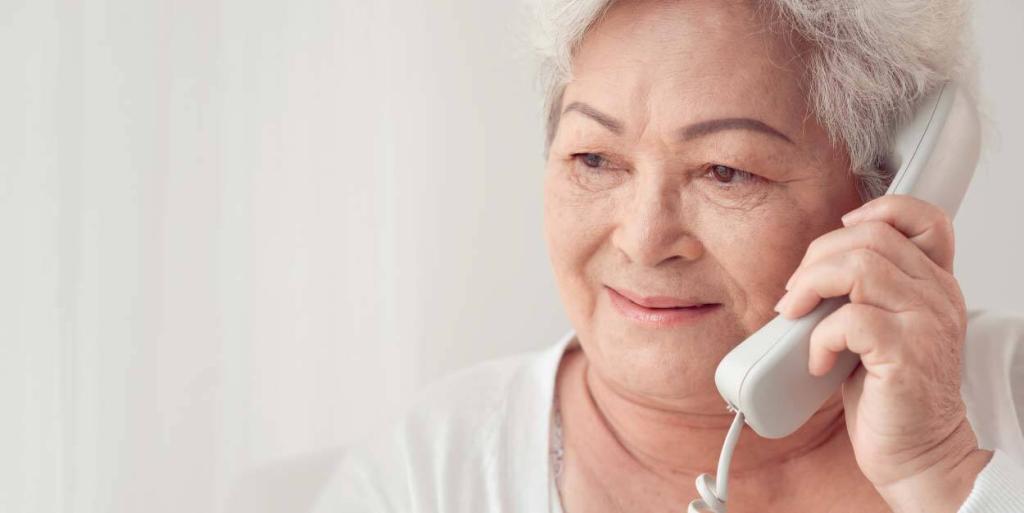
{"points": [[765, 377]]}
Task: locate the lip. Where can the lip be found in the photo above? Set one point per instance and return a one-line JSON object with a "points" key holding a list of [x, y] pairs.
{"points": [[659, 311]]}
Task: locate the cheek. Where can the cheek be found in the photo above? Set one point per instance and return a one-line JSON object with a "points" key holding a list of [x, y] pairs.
{"points": [[574, 228], [759, 253]]}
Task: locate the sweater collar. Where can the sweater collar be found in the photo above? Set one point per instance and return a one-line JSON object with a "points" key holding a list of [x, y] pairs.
{"points": [[530, 403]]}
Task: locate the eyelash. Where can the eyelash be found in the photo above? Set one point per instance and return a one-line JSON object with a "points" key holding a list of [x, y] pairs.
{"points": [[581, 157], [746, 176]]}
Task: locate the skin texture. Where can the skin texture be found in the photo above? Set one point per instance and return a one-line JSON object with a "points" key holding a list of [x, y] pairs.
{"points": [[632, 203]]}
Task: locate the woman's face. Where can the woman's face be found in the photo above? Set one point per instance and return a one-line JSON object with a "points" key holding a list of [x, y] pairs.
{"points": [[685, 165]]}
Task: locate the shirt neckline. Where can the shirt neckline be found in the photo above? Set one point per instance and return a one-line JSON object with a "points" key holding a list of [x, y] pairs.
{"points": [[530, 414]]}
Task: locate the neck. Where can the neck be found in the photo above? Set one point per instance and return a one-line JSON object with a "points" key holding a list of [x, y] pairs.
{"points": [[683, 441]]}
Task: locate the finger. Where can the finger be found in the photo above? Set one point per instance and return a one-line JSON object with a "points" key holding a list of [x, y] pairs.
{"points": [[863, 274], [863, 329], [878, 236], [925, 224]]}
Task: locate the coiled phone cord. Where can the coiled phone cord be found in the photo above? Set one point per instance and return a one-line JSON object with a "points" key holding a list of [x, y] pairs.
{"points": [[713, 491]]}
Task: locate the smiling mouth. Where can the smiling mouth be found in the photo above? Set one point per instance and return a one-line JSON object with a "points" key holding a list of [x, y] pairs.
{"points": [[659, 302], [659, 311]]}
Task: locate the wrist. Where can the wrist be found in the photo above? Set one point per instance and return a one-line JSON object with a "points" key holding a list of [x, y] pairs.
{"points": [[943, 485]]}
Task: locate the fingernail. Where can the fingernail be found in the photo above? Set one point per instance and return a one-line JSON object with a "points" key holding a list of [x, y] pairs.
{"points": [[789, 283], [812, 367], [851, 216], [779, 306]]}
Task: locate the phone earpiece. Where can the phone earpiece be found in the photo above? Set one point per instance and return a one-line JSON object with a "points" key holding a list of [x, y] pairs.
{"points": [[766, 377]]}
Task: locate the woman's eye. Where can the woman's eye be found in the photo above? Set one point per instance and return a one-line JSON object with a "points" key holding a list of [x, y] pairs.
{"points": [[591, 160], [730, 175], [595, 172]]}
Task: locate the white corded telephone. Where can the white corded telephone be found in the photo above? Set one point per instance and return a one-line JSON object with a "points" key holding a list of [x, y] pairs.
{"points": [[765, 378]]}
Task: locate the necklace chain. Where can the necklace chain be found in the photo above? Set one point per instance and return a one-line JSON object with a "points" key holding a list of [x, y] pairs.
{"points": [[557, 447]]}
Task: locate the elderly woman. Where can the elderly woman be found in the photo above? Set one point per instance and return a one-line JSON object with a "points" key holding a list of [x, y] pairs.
{"points": [[705, 159]]}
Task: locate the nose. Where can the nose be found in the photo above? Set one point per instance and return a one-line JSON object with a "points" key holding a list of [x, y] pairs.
{"points": [[652, 230]]}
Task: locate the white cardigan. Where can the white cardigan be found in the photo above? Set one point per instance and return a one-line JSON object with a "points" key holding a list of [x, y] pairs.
{"points": [[478, 441]]}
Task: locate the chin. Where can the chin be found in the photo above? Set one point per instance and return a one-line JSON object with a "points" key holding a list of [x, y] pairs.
{"points": [[656, 359]]}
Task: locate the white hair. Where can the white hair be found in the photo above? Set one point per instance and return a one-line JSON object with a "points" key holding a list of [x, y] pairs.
{"points": [[871, 61]]}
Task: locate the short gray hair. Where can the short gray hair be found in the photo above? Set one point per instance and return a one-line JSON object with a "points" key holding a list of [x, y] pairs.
{"points": [[871, 61]]}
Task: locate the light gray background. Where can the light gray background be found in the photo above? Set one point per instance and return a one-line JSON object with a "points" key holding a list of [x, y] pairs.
{"points": [[236, 231]]}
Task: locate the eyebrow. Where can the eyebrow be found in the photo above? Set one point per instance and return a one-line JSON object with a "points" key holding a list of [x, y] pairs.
{"points": [[686, 133], [607, 121]]}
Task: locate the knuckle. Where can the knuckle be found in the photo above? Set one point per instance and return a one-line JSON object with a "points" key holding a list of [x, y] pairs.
{"points": [[860, 317], [862, 260], [888, 203], [944, 225], [861, 322], [947, 281], [854, 311], [950, 286], [813, 247], [818, 336], [816, 245], [849, 314], [877, 233]]}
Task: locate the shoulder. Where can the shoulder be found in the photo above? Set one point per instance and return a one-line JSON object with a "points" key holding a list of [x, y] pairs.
{"points": [[995, 328], [993, 379], [994, 347], [456, 445]]}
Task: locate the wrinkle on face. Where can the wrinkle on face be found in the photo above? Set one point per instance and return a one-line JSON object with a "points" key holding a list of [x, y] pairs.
{"points": [[656, 67]]}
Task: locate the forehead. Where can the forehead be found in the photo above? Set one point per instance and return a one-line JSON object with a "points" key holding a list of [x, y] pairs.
{"points": [[682, 61]]}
